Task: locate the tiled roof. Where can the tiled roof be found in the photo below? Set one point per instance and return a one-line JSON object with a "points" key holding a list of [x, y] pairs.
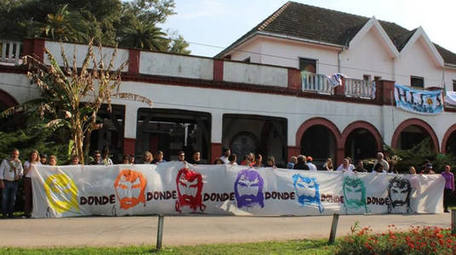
{"points": [[329, 26]]}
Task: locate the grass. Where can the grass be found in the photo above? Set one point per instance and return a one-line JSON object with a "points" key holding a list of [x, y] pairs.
{"points": [[318, 247]]}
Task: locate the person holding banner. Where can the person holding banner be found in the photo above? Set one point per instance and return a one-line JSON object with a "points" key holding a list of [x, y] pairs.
{"points": [[449, 186], [346, 166], [380, 159], [148, 157], [11, 172], [34, 159], [52, 160]]}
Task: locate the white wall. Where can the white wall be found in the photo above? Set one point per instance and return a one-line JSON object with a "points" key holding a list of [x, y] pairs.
{"points": [[55, 48], [18, 86], [251, 49], [176, 65], [369, 56], [417, 61], [255, 74]]}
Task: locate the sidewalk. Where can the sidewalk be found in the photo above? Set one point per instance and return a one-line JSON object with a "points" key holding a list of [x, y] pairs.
{"points": [[190, 230]]}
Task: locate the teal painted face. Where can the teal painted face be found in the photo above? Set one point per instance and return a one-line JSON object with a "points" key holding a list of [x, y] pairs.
{"points": [[354, 193]]}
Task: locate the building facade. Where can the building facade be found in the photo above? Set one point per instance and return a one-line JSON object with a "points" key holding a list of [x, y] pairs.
{"points": [[279, 104]]}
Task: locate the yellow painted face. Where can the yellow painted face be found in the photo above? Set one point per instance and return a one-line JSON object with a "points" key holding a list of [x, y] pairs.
{"points": [[61, 193]]}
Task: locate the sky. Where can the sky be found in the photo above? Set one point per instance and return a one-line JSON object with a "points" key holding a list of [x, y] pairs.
{"points": [[212, 25]]}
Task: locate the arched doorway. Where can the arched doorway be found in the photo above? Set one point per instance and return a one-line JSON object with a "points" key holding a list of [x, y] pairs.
{"points": [[322, 141], [361, 140], [449, 141], [360, 144], [412, 132], [319, 142]]}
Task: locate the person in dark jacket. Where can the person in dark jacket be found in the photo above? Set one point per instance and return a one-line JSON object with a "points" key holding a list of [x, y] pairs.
{"points": [[301, 164]]}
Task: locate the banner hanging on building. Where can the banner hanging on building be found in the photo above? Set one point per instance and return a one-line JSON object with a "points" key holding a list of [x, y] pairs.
{"points": [[450, 98], [418, 101], [177, 189]]}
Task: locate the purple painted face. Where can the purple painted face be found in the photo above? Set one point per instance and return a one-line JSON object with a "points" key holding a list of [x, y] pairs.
{"points": [[248, 189]]}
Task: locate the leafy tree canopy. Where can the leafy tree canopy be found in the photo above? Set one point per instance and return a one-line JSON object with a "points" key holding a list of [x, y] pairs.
{"points": [[110, 22]]}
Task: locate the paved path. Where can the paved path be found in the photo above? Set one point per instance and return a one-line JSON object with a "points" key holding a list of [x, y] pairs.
{"points": [[121, 231]]}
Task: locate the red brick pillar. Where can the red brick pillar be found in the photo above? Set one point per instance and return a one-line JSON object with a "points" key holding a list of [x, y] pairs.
{"points": [[293, 151], [218, 70], [294, 79], [133, 61], [216, 151], [34, 48], [384, 93], [129, 146], [340, 90]]}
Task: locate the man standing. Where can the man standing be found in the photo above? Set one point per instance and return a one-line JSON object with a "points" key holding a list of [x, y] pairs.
{"points": [[11, 172], [226, 154], [380, 160], [312, 166], [449, 186]]}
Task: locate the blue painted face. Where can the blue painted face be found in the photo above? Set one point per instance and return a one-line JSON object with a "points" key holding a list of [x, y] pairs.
{"points": [[248, 189], [307, 191]]}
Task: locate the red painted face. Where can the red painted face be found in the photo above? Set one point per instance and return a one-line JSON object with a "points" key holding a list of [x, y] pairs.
{"points": [[189, 188], [130, 186]]}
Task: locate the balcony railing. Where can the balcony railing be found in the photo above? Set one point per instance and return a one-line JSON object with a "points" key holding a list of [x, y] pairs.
{"points": [[10, 52], [318, 83], [359, 88]]}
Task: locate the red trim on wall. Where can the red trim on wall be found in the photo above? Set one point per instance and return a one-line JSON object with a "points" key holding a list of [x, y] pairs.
{"points": [[38, 46], [332, 128], [7, 99], [447, 135], [293, 151], [415, 122], [133, 61], [129, 146], [294, 79], [365, 125], [218, 70], [216, 151]]}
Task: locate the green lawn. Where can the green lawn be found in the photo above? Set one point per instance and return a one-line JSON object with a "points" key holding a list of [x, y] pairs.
{"points": [[318, 247]]}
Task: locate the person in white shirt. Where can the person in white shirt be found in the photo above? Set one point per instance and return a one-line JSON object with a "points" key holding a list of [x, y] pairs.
{"points": [[380, 159], [11, 172], [232, 160], [312, 166], [29, 166], [346, 166], [226, 153]]}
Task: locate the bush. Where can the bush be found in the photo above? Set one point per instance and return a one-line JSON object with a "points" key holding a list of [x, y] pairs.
{"points": [[418, 240]]}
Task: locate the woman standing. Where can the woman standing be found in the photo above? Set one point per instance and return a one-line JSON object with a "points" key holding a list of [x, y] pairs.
{"points": [[34, 159]]}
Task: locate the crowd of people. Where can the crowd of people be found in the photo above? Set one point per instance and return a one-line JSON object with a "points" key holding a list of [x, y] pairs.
{"points": [[12, 170]]}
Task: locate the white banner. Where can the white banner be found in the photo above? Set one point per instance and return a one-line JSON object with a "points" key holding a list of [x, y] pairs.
{"points": [[174, 189]]}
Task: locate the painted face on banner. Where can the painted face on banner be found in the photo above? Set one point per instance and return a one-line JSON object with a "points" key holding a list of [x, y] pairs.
{"points": [[354, 193], [130, 186], [61, 193], [189, 190], [248, 189], [307, 191], [399, 190]]}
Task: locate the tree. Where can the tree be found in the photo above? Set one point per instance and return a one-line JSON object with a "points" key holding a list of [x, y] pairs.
{"points": [[72, 96], [110, 22]]}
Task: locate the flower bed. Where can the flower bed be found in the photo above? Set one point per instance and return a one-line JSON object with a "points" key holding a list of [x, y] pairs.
{"points": [[418, 240]]}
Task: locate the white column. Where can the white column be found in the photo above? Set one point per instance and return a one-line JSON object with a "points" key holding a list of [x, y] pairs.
{"points": [[216, 127], [131, 116]]}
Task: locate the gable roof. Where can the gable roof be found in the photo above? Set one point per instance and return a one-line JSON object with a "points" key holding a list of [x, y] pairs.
{"points": [[323, 25]]}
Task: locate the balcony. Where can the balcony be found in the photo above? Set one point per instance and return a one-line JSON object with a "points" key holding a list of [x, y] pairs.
{"points": [[10, 52], [359, 88], [321, 84], [318, 83]]}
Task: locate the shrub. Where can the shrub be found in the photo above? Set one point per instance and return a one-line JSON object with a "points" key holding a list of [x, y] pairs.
{"points": [[418, 240]]}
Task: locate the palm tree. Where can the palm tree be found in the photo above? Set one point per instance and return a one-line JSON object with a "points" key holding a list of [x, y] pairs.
{"points": [[144, 36], [62, 25]]}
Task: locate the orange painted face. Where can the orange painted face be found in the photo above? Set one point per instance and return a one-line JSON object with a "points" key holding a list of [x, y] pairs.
{"points": [[130, 186]]}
